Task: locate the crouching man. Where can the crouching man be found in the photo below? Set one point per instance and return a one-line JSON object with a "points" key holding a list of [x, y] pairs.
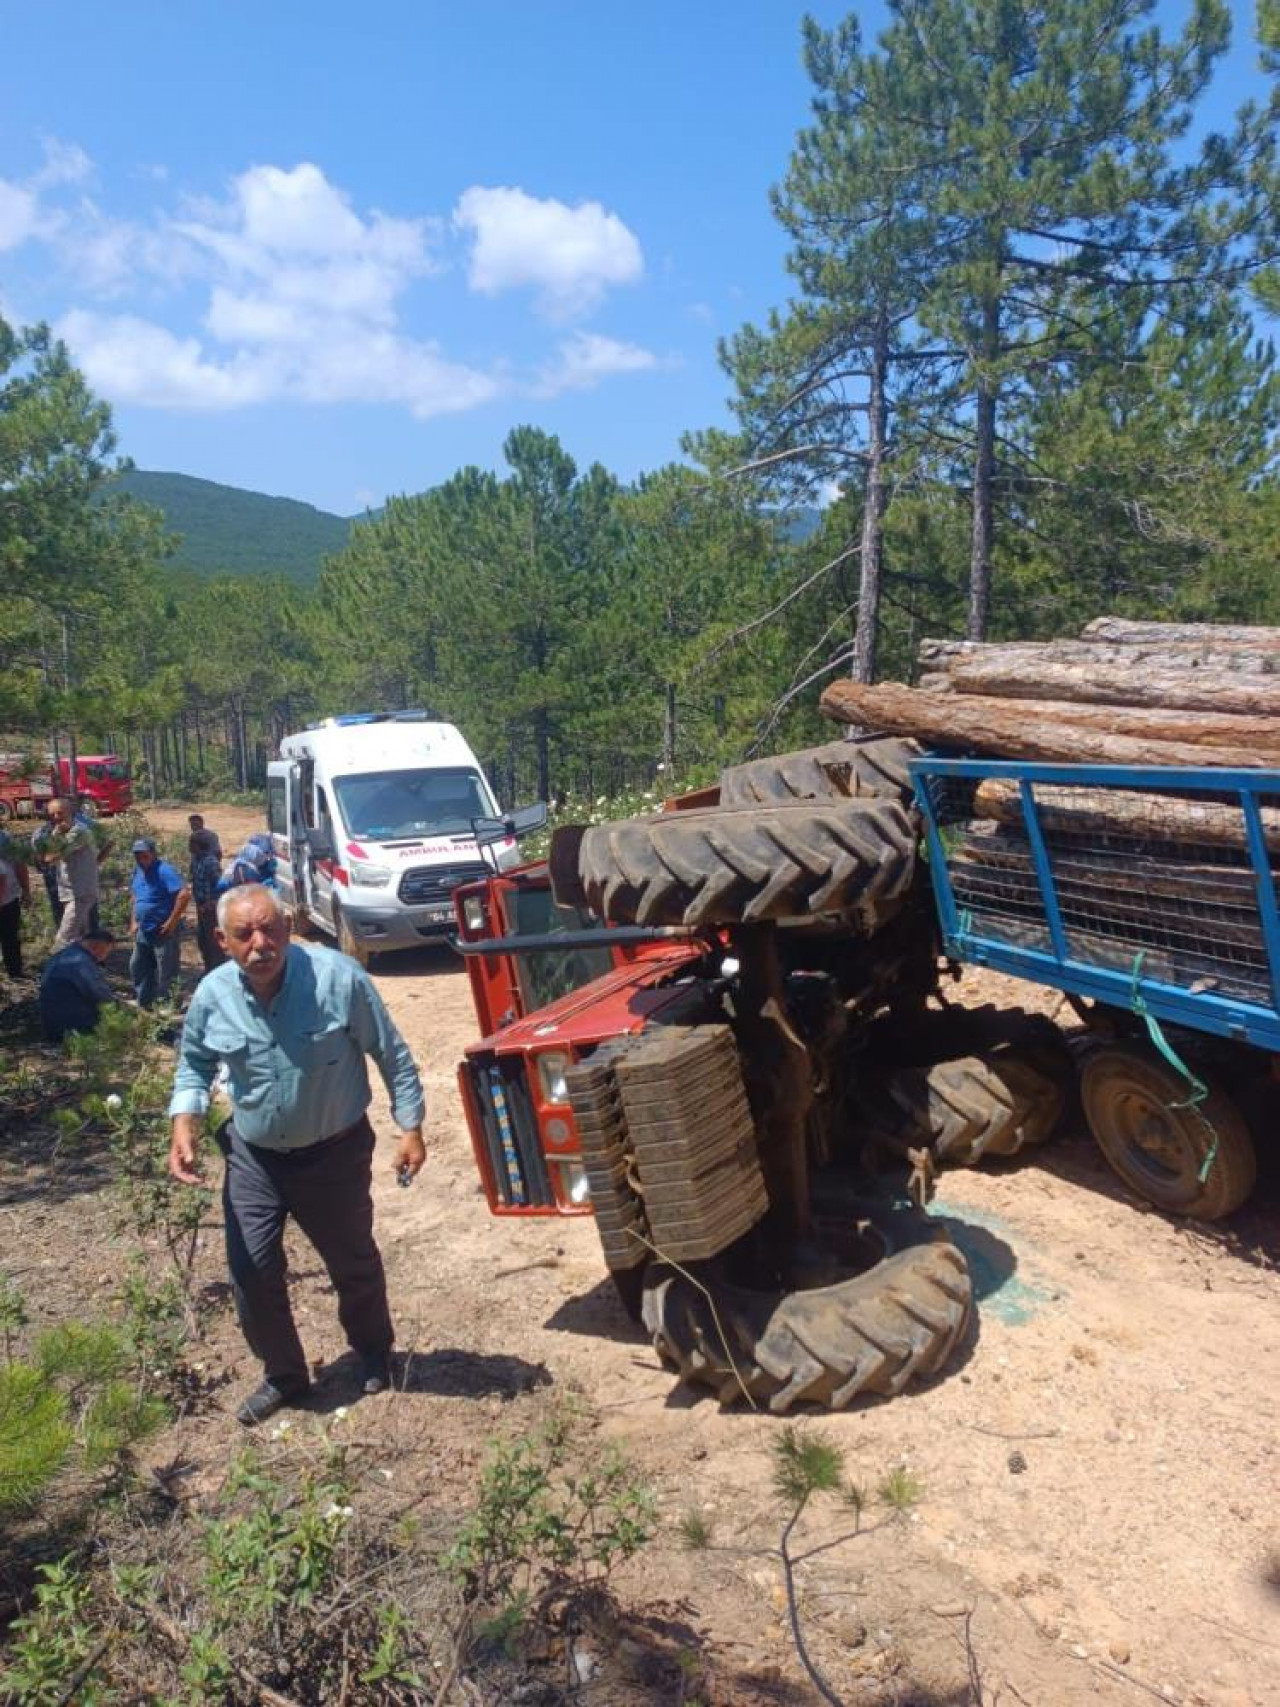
{"points": [[293, 1026]]}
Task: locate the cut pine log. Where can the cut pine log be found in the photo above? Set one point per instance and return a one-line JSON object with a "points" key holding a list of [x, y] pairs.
{"points": [[992, 726], [943, 655], [1120, 631], [1209, 729], [1150, 683], [1125, 812]]}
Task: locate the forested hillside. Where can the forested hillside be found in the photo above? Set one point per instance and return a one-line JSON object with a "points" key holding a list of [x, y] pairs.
{"points": [[224, 530], [1024, 372]]}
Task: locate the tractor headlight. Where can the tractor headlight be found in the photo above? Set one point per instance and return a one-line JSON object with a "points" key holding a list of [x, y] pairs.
{"points": [[552, 1068], [473, 914], [370, 876]]}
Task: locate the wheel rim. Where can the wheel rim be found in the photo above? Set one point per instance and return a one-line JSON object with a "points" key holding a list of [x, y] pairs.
{"points": [[1157, 1147]]}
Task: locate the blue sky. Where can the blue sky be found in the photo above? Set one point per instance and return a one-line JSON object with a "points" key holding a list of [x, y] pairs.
{"points": [[336, 253]]}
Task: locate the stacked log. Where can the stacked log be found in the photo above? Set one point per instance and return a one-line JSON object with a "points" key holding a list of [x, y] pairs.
{"points": [[1162, 874]]}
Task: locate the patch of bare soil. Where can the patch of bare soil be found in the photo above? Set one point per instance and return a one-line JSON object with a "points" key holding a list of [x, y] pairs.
{"points": [[1099, 1468]]}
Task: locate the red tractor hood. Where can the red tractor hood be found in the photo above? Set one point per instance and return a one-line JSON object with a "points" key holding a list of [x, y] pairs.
{"points": [[619, 1002]]}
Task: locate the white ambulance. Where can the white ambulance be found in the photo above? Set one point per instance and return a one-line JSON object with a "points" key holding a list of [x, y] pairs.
{"points": [[373, 825]]}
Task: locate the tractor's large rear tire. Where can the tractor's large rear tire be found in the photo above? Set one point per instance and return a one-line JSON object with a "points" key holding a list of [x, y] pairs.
{"points": [[899, 1321], [839, 770], [729, 865], [1159, 1142]]}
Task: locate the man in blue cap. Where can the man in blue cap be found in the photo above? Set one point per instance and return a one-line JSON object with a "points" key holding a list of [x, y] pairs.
{"points": [[160, 895]]}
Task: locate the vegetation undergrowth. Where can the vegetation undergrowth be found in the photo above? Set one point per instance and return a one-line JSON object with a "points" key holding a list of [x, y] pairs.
{"points": [[301, 1581]]}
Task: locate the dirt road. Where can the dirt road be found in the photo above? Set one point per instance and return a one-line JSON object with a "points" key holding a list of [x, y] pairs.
{"points": [[1100, 1470]]}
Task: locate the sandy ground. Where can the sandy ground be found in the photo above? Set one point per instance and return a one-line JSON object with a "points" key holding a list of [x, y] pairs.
{"points": [[1100, 1468]]}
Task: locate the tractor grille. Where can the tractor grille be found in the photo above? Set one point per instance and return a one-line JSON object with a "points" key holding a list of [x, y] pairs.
{"points": [[511, 1133], [423, 885]]}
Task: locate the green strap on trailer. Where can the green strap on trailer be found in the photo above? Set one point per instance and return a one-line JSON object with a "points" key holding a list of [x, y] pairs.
{"points": [[1199, 1090]]}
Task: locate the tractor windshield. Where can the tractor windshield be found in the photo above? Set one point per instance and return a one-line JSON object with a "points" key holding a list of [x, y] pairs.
{"points": [[550, 973], [386, 806]]}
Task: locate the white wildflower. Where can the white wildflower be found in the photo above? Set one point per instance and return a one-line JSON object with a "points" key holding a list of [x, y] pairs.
{"points": [[341, 1412], [339, 1513], [662, 766], [114, 1103], [281, 1429]]}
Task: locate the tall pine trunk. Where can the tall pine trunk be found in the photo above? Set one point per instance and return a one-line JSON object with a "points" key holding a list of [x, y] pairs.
{"points": [[871, 563], [984, 466]]}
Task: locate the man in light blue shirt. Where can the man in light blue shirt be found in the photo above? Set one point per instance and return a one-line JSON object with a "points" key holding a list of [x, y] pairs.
{"points": [[292, 1025]]}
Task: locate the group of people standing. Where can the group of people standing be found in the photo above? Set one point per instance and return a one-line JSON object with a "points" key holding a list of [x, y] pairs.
{"points": [[69, 849]]}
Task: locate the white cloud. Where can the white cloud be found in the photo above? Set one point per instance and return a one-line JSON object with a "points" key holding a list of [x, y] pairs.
{"points": [[300, 294], [136, 361], [132, 360], [303, 305], [64, 163], [586, 358], [570, 255], [19, 215]]}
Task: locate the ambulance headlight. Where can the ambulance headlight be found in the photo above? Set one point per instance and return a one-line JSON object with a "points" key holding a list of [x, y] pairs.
{"points": [[551, 1070], [370, 876]]}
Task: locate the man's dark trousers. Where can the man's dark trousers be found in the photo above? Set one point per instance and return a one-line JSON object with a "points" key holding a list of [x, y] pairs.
{"points": [[325, 1187], [11, 936]]}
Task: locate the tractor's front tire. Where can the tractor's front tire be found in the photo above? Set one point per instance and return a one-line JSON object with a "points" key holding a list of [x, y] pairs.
{"points": [[1159, 1141], [730, 865], [899, 1321]]}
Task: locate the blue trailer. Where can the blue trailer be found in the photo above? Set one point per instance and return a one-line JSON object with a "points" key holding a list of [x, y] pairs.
{"points": [[1149, 896]]}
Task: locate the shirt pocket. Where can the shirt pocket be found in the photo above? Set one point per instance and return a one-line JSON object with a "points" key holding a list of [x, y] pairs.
{"points": [[326, 1046], [229, 1046]]}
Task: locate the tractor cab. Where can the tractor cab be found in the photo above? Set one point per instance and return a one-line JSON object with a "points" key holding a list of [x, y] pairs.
{"points": [[550, 983]]}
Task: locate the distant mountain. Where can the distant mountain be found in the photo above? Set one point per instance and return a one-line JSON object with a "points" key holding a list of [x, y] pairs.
{"points": [[226, 530]]}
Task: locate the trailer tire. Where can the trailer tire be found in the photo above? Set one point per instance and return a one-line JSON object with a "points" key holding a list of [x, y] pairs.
{"points": [[6, 811], [1158, 1143], [348, 942], [897, 1322], [729, 865], [839, 770]]}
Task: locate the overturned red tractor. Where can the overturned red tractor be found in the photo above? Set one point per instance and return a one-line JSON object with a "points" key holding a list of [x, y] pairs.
{"points": [[712, 1028]]}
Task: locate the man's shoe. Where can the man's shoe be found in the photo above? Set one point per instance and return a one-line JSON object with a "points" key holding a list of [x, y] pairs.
{"points": [[375, 1374], [265, 1401]]}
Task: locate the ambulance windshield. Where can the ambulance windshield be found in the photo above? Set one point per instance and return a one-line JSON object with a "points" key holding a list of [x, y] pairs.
{"points": [[388, 806]]}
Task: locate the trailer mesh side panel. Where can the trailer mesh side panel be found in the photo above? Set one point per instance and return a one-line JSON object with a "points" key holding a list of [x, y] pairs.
{"points": [[1153, 882]]}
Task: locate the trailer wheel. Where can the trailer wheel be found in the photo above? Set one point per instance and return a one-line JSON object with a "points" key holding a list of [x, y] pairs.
{"points": [[870, 765], [348, 941], [898, 1322], [6, 811], [728, 865], [1159, 1144]]}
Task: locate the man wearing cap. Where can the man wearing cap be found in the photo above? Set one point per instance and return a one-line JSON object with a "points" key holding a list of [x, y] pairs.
{"points": [[73, 991], [160, 897], [293, 1026]]}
